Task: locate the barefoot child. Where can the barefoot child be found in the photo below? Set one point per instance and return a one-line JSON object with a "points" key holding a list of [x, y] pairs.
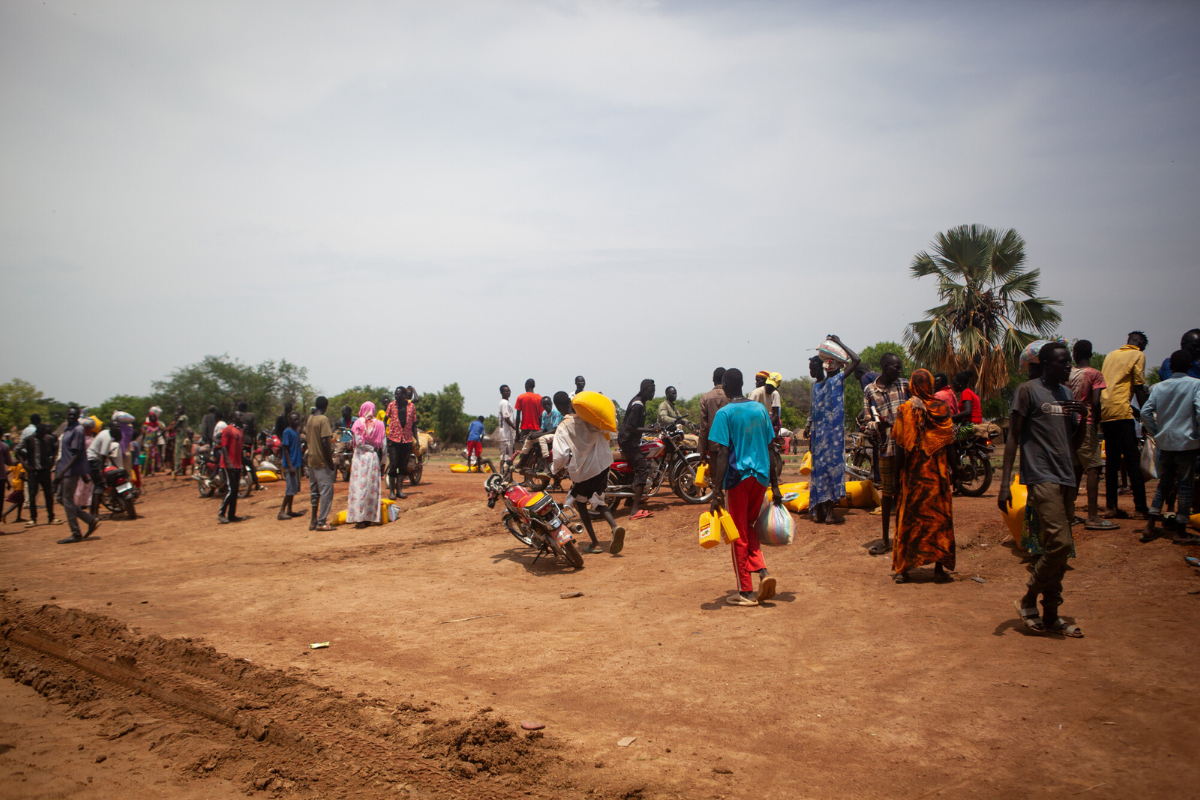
{"points": [[583, 449], [291, 467]]}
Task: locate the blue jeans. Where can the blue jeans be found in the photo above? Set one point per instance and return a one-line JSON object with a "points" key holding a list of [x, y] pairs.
{"points": [[1177, 468]]}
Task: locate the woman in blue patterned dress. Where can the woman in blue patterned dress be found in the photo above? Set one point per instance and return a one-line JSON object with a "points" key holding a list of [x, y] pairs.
{"points": [[827, 483]]}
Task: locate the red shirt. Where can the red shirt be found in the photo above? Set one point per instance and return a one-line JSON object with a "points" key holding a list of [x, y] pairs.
{"points": [[231, 440], [530, 406], [976, 406]]}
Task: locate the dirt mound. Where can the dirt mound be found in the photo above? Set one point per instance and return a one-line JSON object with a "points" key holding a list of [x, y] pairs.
{"points": [[213, 715]]}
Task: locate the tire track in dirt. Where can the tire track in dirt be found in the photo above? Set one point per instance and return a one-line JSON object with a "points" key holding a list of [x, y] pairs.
{"points": [[212, 715]]}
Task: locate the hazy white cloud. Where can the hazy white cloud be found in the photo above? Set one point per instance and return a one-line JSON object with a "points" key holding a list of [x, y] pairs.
{"points": [[385, 191]]}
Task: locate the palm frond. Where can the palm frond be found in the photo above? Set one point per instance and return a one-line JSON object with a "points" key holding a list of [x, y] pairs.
{"points": [[1014, 342], [1037, 313], [1008, 253], [924, 265], [1019, 284]]}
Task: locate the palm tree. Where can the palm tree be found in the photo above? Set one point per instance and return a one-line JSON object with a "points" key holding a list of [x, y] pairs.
{"points": [[990, 306]]}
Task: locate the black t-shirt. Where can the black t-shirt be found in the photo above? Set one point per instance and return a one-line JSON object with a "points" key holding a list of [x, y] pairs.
{"points": [[249, 429], [207, 426], [280, 425], [635, 417]]}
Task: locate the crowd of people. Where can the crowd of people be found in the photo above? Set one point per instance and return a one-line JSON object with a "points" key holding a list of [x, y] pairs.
{"points": [[1068, 422]]}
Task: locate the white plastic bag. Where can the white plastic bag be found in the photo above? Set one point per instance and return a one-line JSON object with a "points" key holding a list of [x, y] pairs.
{"points": [[1150, 459], [774, 526]]}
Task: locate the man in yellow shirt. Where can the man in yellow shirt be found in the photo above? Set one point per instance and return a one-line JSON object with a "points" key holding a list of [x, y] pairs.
{"points": [[1124, 374]]}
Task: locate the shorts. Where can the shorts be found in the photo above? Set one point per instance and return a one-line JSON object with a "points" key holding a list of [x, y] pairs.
{"points": [[639, 464], [591, 490], [398, 453], [1088, 454], [887, 476], [474, 448], [291, 479]]}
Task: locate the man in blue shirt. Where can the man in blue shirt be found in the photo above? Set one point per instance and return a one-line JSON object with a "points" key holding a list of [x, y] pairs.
{"points": [[290, 444], [739, 441], [72, 468], [1172, 416], [475, 440], [1190, 344]]}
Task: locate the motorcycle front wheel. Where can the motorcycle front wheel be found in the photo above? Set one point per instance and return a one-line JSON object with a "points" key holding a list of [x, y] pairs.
{"points": [[974, 474], [414, 473], [246, 485], [571, 551], [518, 531]]}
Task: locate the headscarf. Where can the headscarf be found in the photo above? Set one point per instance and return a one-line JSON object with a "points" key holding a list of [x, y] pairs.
{"points": [[366, 428], [931, 429], [762, 373]]}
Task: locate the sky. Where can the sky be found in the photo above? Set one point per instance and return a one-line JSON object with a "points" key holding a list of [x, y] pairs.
{"points": [[483, 192]]}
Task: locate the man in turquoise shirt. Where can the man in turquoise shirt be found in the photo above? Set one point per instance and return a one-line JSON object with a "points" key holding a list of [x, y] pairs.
{"points": [[1172, 416]]}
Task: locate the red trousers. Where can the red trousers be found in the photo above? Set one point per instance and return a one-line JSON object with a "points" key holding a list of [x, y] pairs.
{"points": [[475, 448], [743, 503]]}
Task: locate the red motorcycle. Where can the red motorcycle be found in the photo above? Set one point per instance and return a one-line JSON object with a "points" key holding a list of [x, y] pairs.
{"points": [[671, 459], [535, 519], [270, 449]]}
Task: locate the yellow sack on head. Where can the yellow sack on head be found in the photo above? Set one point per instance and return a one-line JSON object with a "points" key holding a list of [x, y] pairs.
{"points": [[596, 409]]}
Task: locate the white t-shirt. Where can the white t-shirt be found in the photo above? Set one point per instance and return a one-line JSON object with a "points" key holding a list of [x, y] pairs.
{"points": [[106, 450], [506, 412]]}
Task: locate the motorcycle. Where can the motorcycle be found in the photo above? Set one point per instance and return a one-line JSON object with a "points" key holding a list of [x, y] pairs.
{"points": [[535, 469], [269, 453], [672, 458], [210, 478], [343, 453], [973, 472], [118, 493], [536, 520]]}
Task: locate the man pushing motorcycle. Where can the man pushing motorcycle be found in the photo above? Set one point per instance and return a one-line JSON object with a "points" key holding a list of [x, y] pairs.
{"points": [[583, 449]]}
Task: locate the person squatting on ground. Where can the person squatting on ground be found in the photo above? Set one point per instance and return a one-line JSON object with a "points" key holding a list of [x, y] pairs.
{"points": [[363, 505], [1048, 424], [583, 450], [1172, 416], [401, 428], [319, 435], [1087, 385], [881, 400], [1124, 375], [740, 440], [506, 430], [827, 483], [229, 447], [291, 455], [72, 468], [924, 438], [629, 439]]}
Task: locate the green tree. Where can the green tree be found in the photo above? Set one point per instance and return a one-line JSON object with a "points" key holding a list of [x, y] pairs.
{"points": [[450, 423], [223, 381], [134, 404], [354, 397], [19, 399], [990, 305]]}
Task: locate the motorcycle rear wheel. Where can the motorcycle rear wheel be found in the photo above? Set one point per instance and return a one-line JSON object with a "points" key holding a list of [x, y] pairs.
{"points": [[414, 474], [245, 485], [518, 531], [112, 502], [974, 475], [571, 551]]}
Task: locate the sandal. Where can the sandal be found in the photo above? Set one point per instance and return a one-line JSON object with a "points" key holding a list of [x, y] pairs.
{"points": [[642, 514], [900, 577], [323, 527], [1191, 539], [593, 548], [879, 548], [1065, 628], [1102, 525], [1031, 617]]}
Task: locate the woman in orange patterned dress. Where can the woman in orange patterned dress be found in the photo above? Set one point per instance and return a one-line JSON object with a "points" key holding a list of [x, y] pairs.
{"points": [[924, 435]]}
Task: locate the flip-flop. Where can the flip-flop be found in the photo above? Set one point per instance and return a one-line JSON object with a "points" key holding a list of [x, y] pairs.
{"points": [[1031, 617], [1115, 513], [642, 514], [593, 548], [1193, 539], [879, 548], [1102, 525]]}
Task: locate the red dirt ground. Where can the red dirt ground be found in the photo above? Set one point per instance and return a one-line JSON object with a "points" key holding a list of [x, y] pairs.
{"points": [[845, 685]]}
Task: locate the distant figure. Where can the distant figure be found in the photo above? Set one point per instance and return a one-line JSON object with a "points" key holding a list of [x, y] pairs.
{"points": [[291, 456], [943, 392], [1087, 386], [529, 420], [1124, 375], [73, 468], [1190, 344], [827, 483], [629, 438], [319, 436], [401, 430], [230, 448], [1172, 416], [363, 500], [183, 437], [668, 413], [475, 433], [710, 403], [580, 383], [881, 400], [506, 432]]}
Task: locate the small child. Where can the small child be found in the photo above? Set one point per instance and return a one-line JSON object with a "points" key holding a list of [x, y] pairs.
{"points": [[16, 479], [583, 449], [291, 467]]}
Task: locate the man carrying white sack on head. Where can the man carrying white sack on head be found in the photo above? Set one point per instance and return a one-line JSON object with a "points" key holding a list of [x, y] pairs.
{"points": [[583, 449]]}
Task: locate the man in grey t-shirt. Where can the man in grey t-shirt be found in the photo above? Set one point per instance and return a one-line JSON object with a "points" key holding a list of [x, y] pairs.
{"points": [[1046, 421]]}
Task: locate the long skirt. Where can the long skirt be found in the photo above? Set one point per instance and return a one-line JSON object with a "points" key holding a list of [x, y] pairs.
{"points": [[925, 530], [365, 491]]}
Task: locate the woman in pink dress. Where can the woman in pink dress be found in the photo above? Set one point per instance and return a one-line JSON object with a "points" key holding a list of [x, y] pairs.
{"points": [[365, 490]]}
